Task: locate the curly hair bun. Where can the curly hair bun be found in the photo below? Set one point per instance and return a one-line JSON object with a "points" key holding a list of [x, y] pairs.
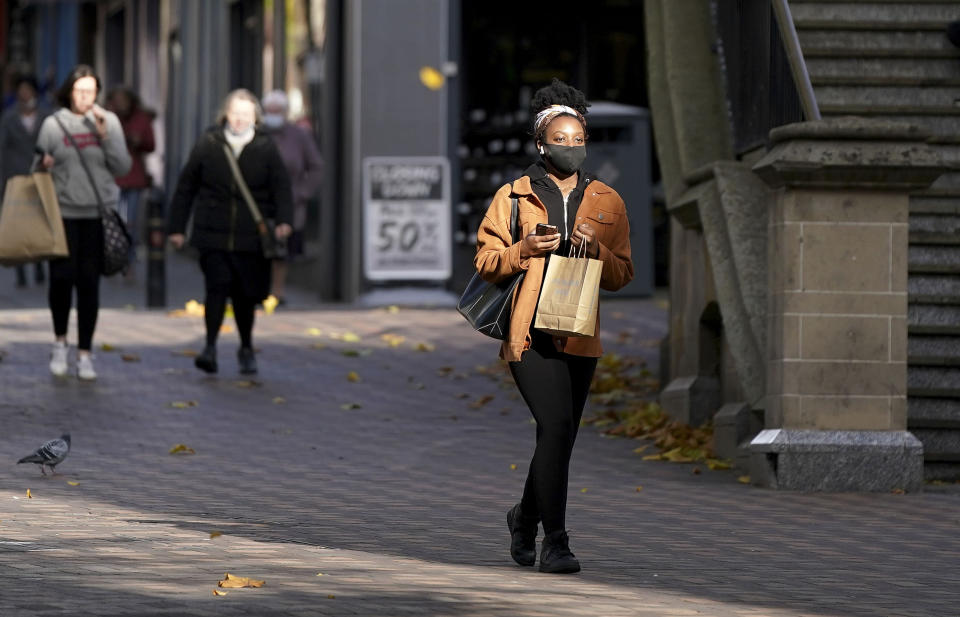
{"points": [[558, 93]]}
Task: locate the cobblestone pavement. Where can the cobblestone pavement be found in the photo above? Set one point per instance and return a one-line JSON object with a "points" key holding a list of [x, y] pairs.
{"points": [[394, 489]]}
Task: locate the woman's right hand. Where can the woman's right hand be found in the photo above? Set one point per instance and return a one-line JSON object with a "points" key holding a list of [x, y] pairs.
{"points": [[536, 246], [176, 240], [47, 161]]}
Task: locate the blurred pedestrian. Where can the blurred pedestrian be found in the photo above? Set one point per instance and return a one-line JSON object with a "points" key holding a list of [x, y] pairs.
{"points": [[84, 150], [19, 128], [137, 126], [224, 230], [553, 374], [304, 166]]}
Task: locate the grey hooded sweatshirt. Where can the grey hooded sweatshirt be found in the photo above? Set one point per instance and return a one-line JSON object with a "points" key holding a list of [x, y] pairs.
{"points": [[107, 159]]}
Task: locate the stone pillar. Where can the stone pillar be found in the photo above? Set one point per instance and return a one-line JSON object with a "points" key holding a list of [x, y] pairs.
{"points": [[836, 382]]}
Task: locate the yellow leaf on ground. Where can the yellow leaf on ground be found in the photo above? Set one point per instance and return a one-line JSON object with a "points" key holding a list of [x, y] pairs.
{"points": [[215, 534], [130, 357], [319, 346], [217, 592], [653, 457], [393, 340], [270, 304], [228, 311], [425, 347], [639, 488], [353, 377], [187, 353], [331, 597], [181, 448], [716, 464], [193, 308], [898, 491], [350, 337], [393, 309], [641, 449], [583, 490], [226, 329], [72, 483], [744, 479], [480, 402], [29, 496], [247, 383], [349, 406], [279, 400], [107, 347], [231, 581], [314, 332], [513, 466], [183, 404], [319, 573]]}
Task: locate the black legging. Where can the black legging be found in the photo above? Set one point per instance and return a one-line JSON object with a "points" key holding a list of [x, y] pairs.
{"points": [[223, 280], [555, 386], [81, 270]]}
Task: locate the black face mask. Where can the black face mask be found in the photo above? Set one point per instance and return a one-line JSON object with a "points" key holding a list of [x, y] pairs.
{"points": [[567, 159]]}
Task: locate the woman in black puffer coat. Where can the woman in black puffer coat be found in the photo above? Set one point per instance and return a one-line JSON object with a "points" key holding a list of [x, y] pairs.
{"points": [[223, 230]]}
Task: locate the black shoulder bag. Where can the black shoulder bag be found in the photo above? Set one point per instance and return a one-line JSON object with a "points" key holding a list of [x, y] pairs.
{"points": [[116, 238], [272, 248], [487, 305]]}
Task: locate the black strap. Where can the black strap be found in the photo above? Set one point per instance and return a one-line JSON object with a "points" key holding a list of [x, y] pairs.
{"points": [[244, 190], [83, 162], [514, 220]]}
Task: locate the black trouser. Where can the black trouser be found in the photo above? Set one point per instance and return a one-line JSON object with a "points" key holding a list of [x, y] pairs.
{"points": [[238, 277], [555, 386], [81, 270]]}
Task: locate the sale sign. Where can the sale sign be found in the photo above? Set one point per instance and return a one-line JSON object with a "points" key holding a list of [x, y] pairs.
{"points": [[407, 222]]}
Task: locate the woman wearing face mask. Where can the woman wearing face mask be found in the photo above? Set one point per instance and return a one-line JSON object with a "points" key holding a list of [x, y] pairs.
{"points": [[231, 256], [553, 374]]}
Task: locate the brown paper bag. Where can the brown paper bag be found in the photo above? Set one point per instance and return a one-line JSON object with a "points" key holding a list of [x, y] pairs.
{"points": [[30, 225], [569, 297]]}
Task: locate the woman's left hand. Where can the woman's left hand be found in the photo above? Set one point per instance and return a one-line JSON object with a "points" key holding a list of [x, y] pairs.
{"points": [[586, 233], [283, 231]]}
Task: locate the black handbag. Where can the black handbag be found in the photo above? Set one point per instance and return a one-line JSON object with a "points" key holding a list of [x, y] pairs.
{"points": [[487, 305], [116, 237], [271, 246]]}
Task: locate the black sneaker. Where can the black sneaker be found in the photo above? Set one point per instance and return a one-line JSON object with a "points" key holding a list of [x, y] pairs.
{"points": [[555, 555], [523, 537], [207, 360], [247, 360]]}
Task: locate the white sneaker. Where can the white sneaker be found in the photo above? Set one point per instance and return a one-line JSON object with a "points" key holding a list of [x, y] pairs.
{"points": [[85, 367], [58, 359]]}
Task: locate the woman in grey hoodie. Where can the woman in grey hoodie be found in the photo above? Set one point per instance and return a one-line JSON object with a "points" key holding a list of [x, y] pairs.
{"points": [[99, 140]]}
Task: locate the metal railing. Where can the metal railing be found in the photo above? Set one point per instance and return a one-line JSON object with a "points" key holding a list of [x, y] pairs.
{"points": [[798, 67]]}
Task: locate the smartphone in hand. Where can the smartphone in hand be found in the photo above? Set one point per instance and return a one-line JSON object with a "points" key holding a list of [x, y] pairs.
{"points": [[546, 230]]}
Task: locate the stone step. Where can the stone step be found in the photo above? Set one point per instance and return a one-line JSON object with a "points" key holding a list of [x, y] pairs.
{"points": [[864, 43], [934, 258], [922, 203], [939, 444], [889, 97], [941, 319], [884, 69], [933, 381], [905, 15], [934, 229], [846, 109], [944, 126], [933, 413], [934, 471], [933, 350], [934, 289]]}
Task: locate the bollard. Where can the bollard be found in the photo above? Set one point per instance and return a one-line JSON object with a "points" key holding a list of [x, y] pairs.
{"points": [[156, 251]]}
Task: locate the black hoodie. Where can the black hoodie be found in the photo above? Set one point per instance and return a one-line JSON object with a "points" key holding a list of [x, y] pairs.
{"points": [[549, 193]]}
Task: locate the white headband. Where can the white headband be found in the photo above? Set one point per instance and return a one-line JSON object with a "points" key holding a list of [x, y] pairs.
{"points": [[547, 115]]}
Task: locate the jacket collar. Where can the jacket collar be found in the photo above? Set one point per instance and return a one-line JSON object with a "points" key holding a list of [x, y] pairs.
{"points": [[524, 184]]}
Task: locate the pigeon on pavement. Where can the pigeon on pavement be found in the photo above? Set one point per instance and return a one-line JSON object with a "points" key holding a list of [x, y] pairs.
{"points": [[51, 453]]}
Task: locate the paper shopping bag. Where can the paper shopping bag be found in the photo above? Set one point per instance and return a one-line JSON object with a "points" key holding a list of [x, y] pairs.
{"points": [[569, 296], [30, 225]]}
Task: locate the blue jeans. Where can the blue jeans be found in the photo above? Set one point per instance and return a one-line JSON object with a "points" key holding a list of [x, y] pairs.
{"points": [[129, 208]]}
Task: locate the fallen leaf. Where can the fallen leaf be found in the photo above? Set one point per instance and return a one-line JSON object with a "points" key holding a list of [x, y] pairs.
{"points": [[898, 491], [319, 346], [744, 479], [72, 483], [314, 332], [183, 404], [193, 308], [641, 449], [639, 488], [228, 311], [653, 457], [231, 581], [480, 402], [319, 573], [583, 490], [353, 377], [462, 395], [393, 340], [29, 496], [331, 597], [181, 448], [350, 337], [270, 304], [130, 357], [279, 400], [215, 534], [696, 471], [217, 592], [513, 466], [187, 353], [717, 465], [247, 383], [393, 309], [425, 347], [226, 329], [107, 347]]}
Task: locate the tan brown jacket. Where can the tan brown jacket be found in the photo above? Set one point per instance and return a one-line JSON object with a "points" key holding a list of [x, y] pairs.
{"points": [[497, 258]]}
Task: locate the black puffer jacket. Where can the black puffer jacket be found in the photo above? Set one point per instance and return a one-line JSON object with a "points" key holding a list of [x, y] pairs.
{"points": [[221, 218]]}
